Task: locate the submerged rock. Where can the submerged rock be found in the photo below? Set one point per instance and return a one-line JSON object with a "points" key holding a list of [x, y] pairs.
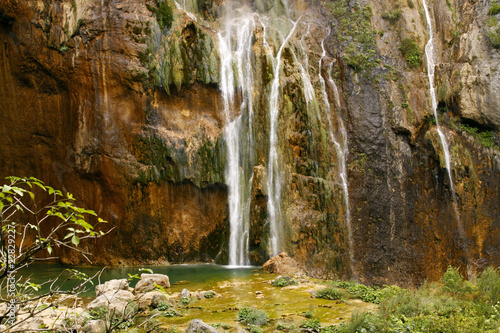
{"points": [[283, 264]]}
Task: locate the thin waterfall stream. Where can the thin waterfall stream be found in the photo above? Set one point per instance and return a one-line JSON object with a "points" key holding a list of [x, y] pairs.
{"points": [[274, 170], [340, 147], [429, 52]]}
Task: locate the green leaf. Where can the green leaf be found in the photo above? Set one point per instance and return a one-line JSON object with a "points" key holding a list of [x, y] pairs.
{"points": [[75, 240], [49, 249], [84, 224], [18, 192]]}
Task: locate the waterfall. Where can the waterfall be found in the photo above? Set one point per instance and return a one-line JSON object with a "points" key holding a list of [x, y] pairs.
{"points": [[429, 53], [341, 149], [235, 45], [183, 8], [273, 170]]}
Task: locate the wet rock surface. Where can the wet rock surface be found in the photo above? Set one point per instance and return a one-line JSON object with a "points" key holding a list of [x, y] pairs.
{"points": [[102, 101]]}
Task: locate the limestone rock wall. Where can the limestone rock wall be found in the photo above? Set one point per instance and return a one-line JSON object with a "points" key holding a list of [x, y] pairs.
{"points": [[118, 102]]}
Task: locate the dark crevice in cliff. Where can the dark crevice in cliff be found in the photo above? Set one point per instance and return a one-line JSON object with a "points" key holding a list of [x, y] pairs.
{"points": [[6, 21]]}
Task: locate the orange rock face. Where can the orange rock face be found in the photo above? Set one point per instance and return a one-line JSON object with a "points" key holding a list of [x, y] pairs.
{"points": [[104, 102], [75, 114]]}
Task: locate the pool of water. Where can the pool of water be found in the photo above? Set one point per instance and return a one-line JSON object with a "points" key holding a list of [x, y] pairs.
{"points": [[195, 274], [236, 288]]}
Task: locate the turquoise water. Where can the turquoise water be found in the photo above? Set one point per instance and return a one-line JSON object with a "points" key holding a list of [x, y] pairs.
{"points": [[178, 274]]}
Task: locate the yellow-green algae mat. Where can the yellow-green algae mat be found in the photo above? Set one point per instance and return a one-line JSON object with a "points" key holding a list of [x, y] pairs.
{"points": [[283, 305]]}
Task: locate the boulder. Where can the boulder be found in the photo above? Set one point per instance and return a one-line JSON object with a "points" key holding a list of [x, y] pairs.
{"points": [[31, 325], [150, 299], [283, 264], [198, 326], [185, 293], [147, 282], [95, 326], [111, 285], [117, 301]]}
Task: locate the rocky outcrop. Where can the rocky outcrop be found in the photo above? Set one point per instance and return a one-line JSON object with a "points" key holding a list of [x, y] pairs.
{"points": [[120, 104], [283, 264]]}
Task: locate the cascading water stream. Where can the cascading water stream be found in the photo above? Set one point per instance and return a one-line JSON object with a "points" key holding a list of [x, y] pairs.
{"points": [[273, 169], [341, 149], [239, 147], [183, 8], [429, 52]]}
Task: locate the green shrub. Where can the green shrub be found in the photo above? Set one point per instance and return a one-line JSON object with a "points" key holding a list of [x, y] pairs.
{"points": [[309, 314], [170, 313], [286, 328], [209, 294], [405, 303], [363, 322], [252, 316], [283, 281], [186, 301], [392, 16], [452, 280], [162, 306], [494, 9], [364, 293], [489, 285], [311, 324], [411, 52], [411, 4], [486, 138], [329, 293], [254, 329]]}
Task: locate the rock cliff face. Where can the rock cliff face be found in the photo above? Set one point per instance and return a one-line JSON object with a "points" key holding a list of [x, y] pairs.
{"points": [[119, 102]]}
